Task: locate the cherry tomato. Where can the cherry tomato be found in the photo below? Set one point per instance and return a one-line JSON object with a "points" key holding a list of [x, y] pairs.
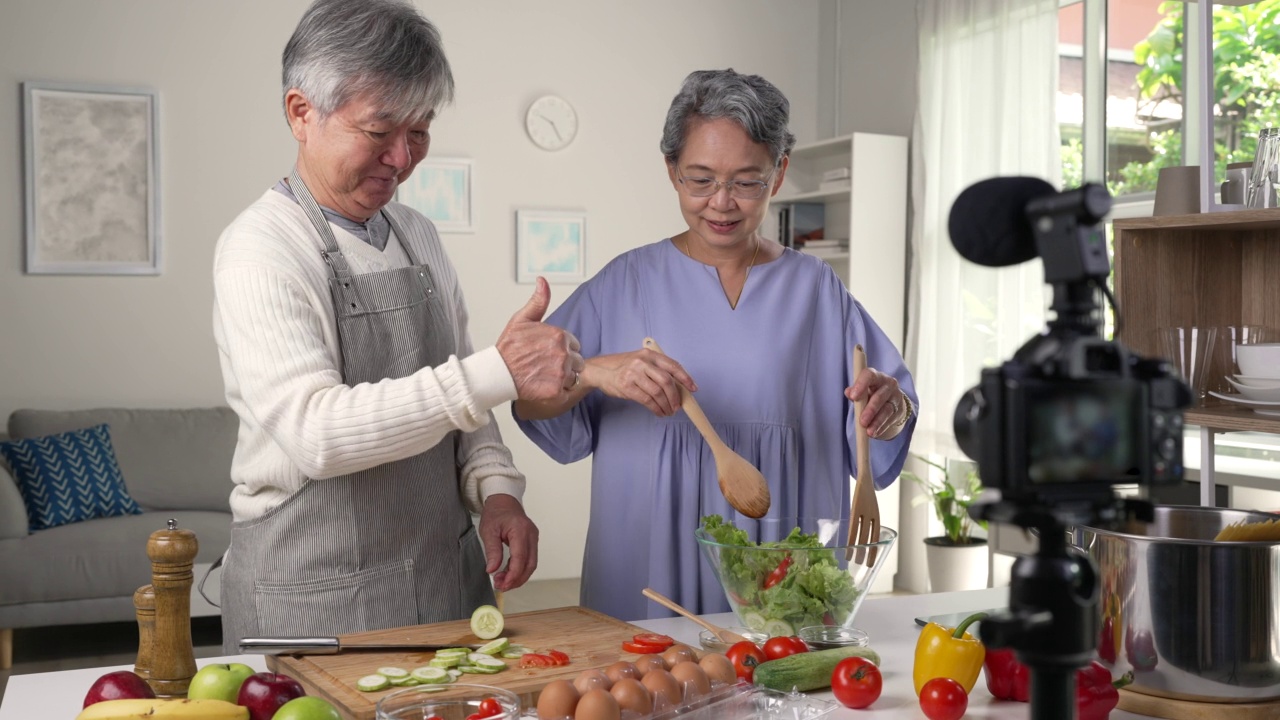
{"points": [[532, 660], [559, 657], [642, 648], [489, 707], [943, 699], [780, 647], [856, 682], [475, 716], [800, 644], [745, 656]]}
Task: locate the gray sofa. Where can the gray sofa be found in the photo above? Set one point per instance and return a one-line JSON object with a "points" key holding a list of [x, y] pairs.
{"points": [[175, 463]]}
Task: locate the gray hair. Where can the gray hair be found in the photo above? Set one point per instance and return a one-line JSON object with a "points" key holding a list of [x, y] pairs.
{"points": [[749, 100], [345, 48]]}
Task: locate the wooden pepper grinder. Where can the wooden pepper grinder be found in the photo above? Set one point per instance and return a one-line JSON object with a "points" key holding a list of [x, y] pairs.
{"points": [[173, 663], [144, 605]]}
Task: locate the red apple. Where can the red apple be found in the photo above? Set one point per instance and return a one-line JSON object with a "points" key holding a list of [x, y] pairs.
{"points": [[264, 693], [119, 685]]}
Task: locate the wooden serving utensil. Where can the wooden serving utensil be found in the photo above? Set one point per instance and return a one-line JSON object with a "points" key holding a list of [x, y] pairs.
{"points": [[740, 482], [864, 514], [723, 634]]}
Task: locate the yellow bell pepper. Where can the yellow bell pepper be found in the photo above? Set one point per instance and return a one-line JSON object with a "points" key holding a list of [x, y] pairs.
{"points": [[949, 652]]}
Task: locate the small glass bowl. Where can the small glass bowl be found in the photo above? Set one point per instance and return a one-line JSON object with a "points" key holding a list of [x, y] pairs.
{"points": [[711, 643], [424, 701], [826, 637]]}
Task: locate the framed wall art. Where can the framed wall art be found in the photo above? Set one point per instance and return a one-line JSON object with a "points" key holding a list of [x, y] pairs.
{"points": [[92, 180], [551, 243], [440, 188]]}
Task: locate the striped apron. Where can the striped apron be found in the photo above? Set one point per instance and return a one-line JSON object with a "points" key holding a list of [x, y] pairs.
{"points": [[385, 547]]}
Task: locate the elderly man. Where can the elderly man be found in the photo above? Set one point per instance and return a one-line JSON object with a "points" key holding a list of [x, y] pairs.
{"points": [[366, 433]]}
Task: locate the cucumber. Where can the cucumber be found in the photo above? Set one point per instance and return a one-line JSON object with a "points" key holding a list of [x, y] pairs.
{"points": [[391, 673], [491, 663], [447, 661], [778, 628], [430, 675], [754, 621], [406, 681], [515, 652], [493, 647], [372, 683], [479, 670], [486, 622], [807, 671]]}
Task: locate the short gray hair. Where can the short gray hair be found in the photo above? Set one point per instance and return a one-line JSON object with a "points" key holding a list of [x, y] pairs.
{"points": [[749, 100], [345, 48]]}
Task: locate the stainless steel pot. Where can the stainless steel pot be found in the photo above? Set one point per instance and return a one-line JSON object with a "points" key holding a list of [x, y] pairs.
{"points": [[1193, 618]]}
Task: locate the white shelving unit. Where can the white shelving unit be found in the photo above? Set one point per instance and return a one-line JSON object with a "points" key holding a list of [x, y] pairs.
{"points": [[872, 214]]}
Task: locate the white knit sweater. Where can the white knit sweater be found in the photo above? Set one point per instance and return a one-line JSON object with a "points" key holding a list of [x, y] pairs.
{"points": [[277, 339]]}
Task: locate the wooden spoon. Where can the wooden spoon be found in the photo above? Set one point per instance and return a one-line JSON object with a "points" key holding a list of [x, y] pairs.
{"points": [[724, 635], [740, 482]]}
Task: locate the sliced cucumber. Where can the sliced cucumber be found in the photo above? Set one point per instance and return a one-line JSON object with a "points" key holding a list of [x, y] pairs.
{"points": [[391, 673], [447, 661], [475, 658], [431, 675], [478, 670], [373, 683], [778, 628], [406, 681], [454, 674], [453, 651], [489, 662], [754, 621], [515, 652], [493, 647], [487, 622]]}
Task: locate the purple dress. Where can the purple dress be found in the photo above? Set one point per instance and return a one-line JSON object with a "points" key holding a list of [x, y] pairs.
{"points": [[771, 377]]}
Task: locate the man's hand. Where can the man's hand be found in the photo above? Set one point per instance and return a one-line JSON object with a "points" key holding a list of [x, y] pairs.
{"points": [[503, 522], [544, 360]]}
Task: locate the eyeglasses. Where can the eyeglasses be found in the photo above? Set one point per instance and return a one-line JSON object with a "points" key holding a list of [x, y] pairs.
{"points": [[739, 189]]}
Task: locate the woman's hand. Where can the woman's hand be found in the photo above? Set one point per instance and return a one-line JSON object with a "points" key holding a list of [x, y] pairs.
{"points": [[887, 407], [644, 376]]}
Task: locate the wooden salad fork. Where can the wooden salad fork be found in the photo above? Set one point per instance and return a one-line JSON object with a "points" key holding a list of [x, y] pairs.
{"points": [[740, 482], [723, 634], [864, 514]]}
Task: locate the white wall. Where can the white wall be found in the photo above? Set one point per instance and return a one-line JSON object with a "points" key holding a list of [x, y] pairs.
{"points": [[77, 342]]}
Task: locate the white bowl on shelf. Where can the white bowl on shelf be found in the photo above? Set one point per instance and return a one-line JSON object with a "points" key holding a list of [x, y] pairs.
{"points": [[1258, 383], [1259, 406], [1253, 392], [1260, 360]]}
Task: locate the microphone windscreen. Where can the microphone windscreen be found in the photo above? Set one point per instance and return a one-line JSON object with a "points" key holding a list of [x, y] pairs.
{"points": [[989, 224]]}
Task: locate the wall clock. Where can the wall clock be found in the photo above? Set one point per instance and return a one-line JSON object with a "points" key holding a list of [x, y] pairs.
{"points": [[551, 122]]}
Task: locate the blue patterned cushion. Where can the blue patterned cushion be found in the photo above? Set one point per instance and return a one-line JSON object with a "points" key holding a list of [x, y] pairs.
{"points": [[69, 477]]}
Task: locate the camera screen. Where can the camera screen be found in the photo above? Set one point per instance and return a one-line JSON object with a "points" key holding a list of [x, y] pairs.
{"points": [[1084, 432]]}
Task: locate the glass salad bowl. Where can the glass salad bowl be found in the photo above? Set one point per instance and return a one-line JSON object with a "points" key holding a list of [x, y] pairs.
{"points": [[783, 574], [454, 701]]}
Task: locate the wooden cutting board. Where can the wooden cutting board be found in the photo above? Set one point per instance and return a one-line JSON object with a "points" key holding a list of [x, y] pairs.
{"points": [[1161, 707], [591, 639]]}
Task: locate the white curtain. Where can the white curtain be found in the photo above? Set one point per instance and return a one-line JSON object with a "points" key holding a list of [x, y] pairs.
{"points": [[988, 81]]}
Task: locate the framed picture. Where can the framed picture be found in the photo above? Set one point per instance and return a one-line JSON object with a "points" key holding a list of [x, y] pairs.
{"points": [[550, 243], [440, 188], [92, 180]]}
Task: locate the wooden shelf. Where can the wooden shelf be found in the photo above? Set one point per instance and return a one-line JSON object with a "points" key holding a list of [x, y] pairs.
{"points": [[1231, 220], [1226, 417]]}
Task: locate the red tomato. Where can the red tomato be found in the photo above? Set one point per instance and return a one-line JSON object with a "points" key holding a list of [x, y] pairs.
{"points": [[532, 660], [800, 644], [745, 656], [943, 699], [559, 657], [780, 647], [475, 716], [856, 682], [665, 641], [642, 648], [489, 707]]}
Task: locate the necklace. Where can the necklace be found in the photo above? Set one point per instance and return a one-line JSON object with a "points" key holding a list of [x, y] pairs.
{"points": [[733, 302]]}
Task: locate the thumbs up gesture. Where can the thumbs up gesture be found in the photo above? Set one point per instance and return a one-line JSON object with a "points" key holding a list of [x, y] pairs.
{"points": [[544, 360]]}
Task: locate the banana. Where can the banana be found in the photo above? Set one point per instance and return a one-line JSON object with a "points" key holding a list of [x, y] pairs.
{"points": [[179, 709]]}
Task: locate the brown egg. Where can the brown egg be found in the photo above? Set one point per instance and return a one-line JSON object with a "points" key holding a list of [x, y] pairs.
{"points": [[718, 668], [666, 691], [598, 705], [692, 678], [557, 700], [589, 680], [649, 662], [677, 654], [633, 696], [622, 669]]}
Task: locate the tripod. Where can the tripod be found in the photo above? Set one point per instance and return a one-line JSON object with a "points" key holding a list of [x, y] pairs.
{"points": [[1051, 622]]}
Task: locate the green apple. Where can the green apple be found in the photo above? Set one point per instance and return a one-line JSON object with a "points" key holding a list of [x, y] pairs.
{"points": [[308, 707], [218, 681]]}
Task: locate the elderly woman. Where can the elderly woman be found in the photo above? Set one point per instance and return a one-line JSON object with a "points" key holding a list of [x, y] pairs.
{"points": [[366, 433], [766, 331]]}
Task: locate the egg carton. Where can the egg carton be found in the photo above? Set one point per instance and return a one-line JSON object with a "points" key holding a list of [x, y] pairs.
{"points": [[738, 702]]}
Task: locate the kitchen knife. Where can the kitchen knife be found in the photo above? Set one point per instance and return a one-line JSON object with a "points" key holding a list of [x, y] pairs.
{"points": [[329, 646]]}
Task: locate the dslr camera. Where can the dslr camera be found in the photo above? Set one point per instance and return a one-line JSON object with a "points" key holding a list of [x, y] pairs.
{"points": [[1071, 414]]}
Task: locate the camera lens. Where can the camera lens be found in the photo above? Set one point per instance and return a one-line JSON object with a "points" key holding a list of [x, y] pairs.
{"points": [[969, 412]]}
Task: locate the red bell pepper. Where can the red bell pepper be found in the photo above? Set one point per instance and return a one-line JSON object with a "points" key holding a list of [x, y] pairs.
{"points": [[778, 573], [1107, 641], [1096, 693]]}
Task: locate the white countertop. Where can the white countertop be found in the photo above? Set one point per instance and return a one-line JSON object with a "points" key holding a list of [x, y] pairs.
{"points": [[889, 621]]}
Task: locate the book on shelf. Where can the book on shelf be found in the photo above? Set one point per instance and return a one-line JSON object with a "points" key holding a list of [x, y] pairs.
{"points": [[843, 184], [826, 242], [806, 222], [841, 173]]}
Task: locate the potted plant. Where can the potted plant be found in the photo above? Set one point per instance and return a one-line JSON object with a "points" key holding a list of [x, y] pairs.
{"points": [[957, 560]]}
